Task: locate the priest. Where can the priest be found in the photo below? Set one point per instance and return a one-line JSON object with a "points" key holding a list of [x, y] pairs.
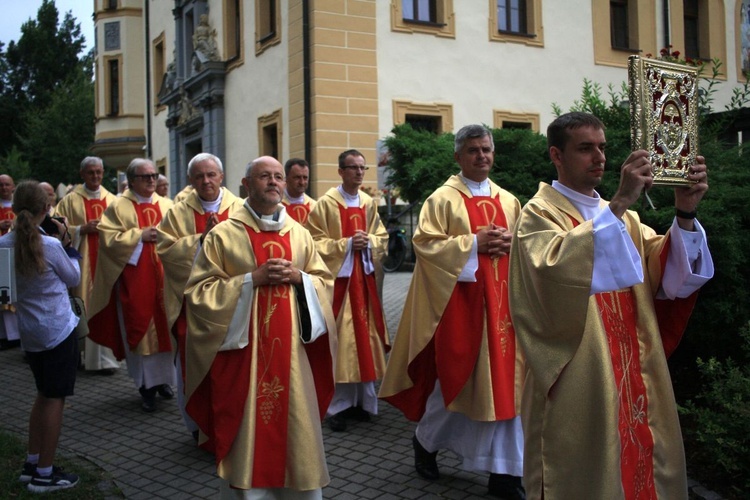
{"points": [[127, 303], [259, 347]]}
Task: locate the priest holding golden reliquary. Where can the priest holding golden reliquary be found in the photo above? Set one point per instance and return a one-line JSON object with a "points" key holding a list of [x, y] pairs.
{"points": [[599, 301]]}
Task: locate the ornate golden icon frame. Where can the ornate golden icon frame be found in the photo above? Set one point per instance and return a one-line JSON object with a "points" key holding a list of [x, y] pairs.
{"points": [[664, 116]]}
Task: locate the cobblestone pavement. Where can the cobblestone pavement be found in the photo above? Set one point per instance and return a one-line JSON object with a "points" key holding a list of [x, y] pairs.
{"points": [[153, 456]]}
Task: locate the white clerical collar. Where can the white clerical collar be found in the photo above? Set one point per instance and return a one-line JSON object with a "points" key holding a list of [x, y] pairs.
{"points": [[6, 203], [588, 206], [298, 201], [476, 188], [93, 194], [211, 206], [273, 222], [352, 200], [141, 199]]}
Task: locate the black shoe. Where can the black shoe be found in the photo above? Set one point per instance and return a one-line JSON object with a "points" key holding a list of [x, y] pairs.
{"points": [[107, 372], [506, 487], [165, 391], [148, 399], [356, 413], [425, 462], [58, 480], [337, 422]]}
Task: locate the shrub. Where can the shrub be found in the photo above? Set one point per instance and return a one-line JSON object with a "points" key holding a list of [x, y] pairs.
{"points": [[716, 422]]}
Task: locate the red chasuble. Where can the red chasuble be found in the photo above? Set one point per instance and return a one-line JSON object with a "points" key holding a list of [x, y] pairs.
{"points": [[141, 294], [363, 296], [298, 211], [179, 328], [456, 354], [6, 213], [218, 404], [94, 211]]}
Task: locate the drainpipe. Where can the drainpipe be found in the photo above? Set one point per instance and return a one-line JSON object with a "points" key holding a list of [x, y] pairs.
{"points": [[148, 78], [667, 24], [306, 78]]}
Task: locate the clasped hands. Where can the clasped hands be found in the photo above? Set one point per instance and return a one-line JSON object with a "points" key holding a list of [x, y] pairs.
{"points": [[276, 272], [148, 235], [494, 240], [360, 240]]}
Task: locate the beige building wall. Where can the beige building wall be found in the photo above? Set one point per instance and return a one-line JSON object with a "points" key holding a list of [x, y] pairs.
{"points": [[344, 87], [161, 32], [120, 137], [254, 89], [369, 70]]}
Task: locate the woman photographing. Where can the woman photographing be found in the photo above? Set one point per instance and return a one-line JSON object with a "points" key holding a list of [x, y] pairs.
{"points": [[44, 271]]}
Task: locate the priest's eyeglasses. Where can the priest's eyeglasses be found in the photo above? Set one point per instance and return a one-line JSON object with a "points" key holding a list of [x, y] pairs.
{"points": [[146, 177], [266, 176], [356, 167]]}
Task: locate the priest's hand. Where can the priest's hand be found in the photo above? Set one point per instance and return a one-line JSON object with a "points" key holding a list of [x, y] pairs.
{"points": [[493, 240], [635, 176], [686, 198], [213, 219], [89, 227], [148, 235], [276, 272], [5, 225], [360, 240]]}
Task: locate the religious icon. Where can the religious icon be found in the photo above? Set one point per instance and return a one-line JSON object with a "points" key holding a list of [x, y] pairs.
{"points": [[664, 116]]}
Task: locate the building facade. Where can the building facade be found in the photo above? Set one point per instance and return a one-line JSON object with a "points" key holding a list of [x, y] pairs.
{"points": [[311, 78]]}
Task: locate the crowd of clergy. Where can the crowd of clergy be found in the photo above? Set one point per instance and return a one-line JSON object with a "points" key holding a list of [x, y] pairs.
{"points": [[533, 341]]}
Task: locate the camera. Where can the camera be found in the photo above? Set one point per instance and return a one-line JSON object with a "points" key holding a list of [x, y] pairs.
{"points": [[49, 227]]}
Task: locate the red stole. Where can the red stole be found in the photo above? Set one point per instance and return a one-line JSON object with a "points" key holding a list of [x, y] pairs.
{"points": [[619, 314], [456, 354], [94, 210], [179, 328], [298, 211], [6, 213], [363, 296], [218, 403], [142, 287]]}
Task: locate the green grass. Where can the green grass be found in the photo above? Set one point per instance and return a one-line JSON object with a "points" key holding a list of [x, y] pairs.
{"points": [[95, 483]]}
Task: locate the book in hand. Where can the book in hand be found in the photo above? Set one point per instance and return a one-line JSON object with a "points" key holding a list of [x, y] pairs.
{"points": [[664, 116]]}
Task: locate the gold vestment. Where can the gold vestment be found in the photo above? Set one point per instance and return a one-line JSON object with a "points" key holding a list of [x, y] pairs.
{"points": [[324, 224], [212, 295], [443, 242], [119, 234], [177, 243], [571, 397]]}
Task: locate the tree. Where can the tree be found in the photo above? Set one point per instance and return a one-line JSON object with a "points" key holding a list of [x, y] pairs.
{"points": [[47, 96]]}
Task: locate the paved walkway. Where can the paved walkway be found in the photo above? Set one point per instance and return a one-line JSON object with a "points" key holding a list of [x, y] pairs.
{"points": [[152, 456]]}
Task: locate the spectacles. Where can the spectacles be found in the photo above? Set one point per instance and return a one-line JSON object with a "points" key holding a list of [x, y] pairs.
{"points": [[265, 177], [146, 177], [356, 167]]}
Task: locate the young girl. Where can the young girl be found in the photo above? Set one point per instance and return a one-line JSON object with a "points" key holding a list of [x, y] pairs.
{"points": [[44, 272]]}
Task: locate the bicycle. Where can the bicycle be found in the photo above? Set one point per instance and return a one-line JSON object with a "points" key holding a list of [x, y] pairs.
{"points": [[398, 245]]}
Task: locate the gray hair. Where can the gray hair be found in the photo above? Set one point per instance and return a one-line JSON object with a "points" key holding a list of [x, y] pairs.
{"points": [[201, 157], [134, 164], [162, 177], [471, 132], [91, 160]]}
